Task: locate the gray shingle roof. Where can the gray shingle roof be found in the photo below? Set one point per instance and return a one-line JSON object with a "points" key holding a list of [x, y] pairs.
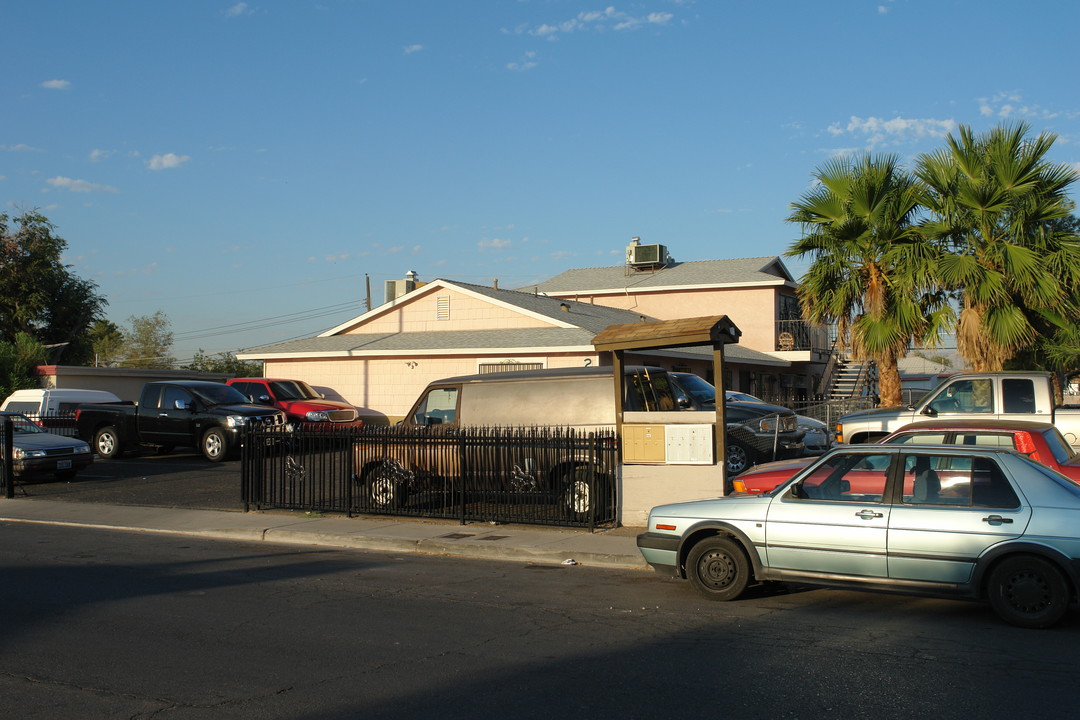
{"points": [[695, 273], [589, 319]]}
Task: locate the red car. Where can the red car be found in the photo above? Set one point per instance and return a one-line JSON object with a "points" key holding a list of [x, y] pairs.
{"points": [[1040, 441]]}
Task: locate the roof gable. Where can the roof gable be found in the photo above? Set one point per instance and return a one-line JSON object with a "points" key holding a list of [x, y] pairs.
{"points": [[541, 309]]}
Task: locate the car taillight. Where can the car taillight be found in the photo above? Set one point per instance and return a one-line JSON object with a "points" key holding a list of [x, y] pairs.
{"points": [[1024, 442]]}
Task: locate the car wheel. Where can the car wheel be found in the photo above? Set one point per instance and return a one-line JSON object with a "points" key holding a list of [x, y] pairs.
{"points": [[215, 446], [107, 443], [577, 493], [738, 457], [383, 488], [718, 568], [1028, 591]]}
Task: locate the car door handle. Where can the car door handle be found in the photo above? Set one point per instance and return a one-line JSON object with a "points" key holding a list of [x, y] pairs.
{"points": [[997, 519], [868, 514]]}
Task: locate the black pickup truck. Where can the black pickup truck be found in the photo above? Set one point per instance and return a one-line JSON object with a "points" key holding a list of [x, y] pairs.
{"points": [[187, 413]]}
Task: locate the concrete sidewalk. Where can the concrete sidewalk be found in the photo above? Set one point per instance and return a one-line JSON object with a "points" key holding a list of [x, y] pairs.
{"points": [[616, 548]]}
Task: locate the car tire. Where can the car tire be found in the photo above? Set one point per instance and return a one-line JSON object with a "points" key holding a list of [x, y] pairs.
{"points": [[215, 445], [581, 498], [1028, 591], [107, 443], [738, 457], [718, 568], [383, 488]]}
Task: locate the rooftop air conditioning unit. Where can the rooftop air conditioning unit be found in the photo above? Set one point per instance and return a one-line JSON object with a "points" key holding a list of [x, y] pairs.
{"points": [[396, 288], [648, 255]]}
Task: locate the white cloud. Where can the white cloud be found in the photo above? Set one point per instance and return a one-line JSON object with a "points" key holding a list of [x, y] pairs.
{"points": [[527, 62], [898, 130], [493, 243], [410, 49], [599, 20], [97, 155], [66, 183], [167, 161], [56, 85], [1011, 104], [240, 8], [21, 147]]}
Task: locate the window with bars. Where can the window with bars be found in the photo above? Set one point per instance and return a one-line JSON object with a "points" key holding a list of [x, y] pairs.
{"points": [[508, 367]]}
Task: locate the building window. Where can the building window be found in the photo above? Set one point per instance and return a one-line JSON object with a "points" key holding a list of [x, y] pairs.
{"points": [[508, 366]]}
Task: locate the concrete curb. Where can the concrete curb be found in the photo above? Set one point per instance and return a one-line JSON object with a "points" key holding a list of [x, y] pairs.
{"points": [[610, 549]]}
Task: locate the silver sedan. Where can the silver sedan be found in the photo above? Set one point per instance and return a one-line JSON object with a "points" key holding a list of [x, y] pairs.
{"points": [[965, 522]]}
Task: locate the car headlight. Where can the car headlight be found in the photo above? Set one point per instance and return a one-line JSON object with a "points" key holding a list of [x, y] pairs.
{"points": [[21, 454], [82, 449], [236, 421], [318, 416]]}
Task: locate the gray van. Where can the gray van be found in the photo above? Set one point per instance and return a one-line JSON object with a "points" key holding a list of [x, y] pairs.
{"points": [[581, 399]]}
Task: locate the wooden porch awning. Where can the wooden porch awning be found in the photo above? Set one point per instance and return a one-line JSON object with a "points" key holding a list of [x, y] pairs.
{"points": [[715, 330]]}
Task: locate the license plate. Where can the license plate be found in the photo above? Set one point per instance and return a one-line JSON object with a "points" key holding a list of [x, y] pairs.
{"points": [[63, 464]]}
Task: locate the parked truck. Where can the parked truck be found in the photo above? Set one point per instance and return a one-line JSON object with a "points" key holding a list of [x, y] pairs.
{"points": [[175, 413], [301, 404], [969, 396]]}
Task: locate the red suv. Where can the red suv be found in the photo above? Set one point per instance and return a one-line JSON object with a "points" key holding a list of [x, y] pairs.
{"points": [[301, 404]]}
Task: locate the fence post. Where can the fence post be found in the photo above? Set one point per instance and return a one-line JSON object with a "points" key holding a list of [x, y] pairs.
{"points": [[9, 459], [461, 472], [245, 467]]}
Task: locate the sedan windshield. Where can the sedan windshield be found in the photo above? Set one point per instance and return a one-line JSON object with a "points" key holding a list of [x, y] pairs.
{"points": [[23, 425]]}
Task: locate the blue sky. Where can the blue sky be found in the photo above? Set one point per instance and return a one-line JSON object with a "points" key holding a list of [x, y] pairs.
{"points": [[242, 166]]}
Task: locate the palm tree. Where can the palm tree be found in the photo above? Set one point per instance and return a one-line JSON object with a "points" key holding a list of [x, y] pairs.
{"points": [[870, 267], [995, 207]]}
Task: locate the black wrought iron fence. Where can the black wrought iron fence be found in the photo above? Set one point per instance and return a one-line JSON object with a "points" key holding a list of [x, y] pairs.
{"points": [[57, 422], [548, 476]]}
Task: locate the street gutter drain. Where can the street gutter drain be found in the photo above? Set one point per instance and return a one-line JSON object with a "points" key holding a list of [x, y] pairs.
{"points": [[455, 536], [495, 537]]}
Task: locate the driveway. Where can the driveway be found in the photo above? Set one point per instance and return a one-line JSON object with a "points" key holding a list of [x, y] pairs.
{"points": [[179, 479]]}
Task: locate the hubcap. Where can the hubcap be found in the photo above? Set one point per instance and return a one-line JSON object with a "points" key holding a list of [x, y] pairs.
{"points": [[213, 444], [577, 496], [1028, 592], [382, 491], [717, 569]]}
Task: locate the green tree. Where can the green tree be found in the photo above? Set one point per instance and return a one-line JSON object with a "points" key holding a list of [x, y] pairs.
{"points": [[870, 267], [106, 343], [997, 208], [225, 363], [40, 295], [18, 358], [148, 342]]}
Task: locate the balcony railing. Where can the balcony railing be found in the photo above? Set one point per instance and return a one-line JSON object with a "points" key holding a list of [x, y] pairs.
{"points": [[798, 335]]}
